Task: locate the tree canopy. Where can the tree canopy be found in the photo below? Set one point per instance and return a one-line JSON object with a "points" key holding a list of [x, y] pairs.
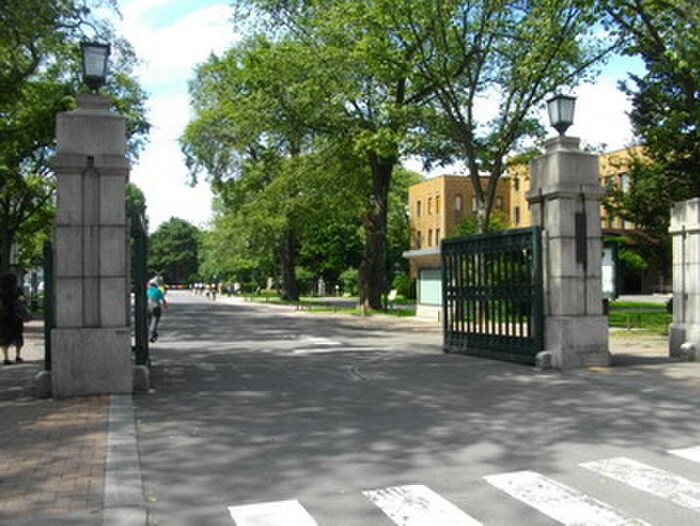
{"points": [[665, 107], [382, 80], [39, 76], [173, 251]]}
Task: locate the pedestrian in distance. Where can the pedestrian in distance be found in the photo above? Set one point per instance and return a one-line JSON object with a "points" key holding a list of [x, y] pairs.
{"points": [[12, 314], [156, 304]]}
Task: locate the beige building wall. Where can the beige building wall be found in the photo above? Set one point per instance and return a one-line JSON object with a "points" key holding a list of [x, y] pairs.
{"points": [[519, 180], [436, 205], [614, 168]]}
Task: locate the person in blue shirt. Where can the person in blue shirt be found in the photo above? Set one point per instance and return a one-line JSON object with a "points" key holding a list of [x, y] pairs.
{"points": [[156, 304]]}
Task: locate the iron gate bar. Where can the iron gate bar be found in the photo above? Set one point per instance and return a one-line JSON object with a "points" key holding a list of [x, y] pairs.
{"points": [[49, 311], [140, 277], [492, 295]]}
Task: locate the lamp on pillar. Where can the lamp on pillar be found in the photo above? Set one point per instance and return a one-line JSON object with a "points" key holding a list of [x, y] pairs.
{"points": [[94, 57], [561, 112]]}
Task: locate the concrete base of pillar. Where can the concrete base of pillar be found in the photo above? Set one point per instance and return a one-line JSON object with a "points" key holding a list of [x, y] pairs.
{"points": [[577, 341], [42, 384], [676, 337], [680, 334], [91, 362], [142, 382]]}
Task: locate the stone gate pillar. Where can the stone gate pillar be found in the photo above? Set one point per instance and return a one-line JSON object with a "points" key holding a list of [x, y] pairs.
{"points": [[565, 202], [685, 232], [91, 344]]}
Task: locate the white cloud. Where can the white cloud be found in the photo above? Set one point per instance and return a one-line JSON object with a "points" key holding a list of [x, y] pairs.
{"points": [[169, 53], [601, 115]]}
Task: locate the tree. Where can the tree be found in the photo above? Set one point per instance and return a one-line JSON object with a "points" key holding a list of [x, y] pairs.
{"points": [[665, 107], [512, 55], [39, 75], [249, 136], [173, 251], [365, 82], [135, 200], [408, 77]]}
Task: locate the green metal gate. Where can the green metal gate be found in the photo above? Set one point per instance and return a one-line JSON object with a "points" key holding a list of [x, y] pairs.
{"points": [[492, 295], [139, 278], [49, 302]]}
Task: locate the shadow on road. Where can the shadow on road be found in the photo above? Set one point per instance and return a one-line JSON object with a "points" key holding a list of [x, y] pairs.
{"points": [[253, 403]]}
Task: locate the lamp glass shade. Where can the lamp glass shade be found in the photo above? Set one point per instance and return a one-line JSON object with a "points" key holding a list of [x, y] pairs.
{"points": [[561, 112], [94, 64]]}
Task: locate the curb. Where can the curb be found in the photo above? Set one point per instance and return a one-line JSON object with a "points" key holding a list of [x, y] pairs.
{"points": [[124, 503]]}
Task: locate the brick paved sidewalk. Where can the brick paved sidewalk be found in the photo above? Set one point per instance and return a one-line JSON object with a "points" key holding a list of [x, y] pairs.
{"points": [[52, 452]]}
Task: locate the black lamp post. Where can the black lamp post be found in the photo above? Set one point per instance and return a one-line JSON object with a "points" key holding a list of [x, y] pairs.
{"points": [[561, 112], [95, 57]]}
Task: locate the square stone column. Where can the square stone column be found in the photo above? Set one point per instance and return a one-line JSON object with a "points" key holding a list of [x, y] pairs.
{"points": [[685, 233], [565, 202], [91, 344]]}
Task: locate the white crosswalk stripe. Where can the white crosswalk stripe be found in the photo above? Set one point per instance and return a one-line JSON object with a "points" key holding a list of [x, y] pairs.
{"points": [[417, 505], [561, 503], [660, 483], [279, 513], [689, 453]]}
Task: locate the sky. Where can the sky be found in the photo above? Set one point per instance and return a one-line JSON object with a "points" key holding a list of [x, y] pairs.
{"points": [[172, 36]]}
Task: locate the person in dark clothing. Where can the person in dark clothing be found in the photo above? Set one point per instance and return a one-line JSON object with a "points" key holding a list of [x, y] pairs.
{"points": [[11, 324]]}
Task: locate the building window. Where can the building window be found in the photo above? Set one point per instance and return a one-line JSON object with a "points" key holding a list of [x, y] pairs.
{"points": [[516, 183], [419, 240], [430, 205], [474, 205], [517, 215], [430, 238], [418, 208], [437, 236], [458, 203], [437, 204], [499, 203], [624, 183]]}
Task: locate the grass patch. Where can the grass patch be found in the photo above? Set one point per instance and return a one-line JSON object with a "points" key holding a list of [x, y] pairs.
{"points": [[629, 315]]}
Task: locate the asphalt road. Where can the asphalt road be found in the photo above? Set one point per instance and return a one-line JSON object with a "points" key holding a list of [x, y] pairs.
{"points": [[353, 422]]}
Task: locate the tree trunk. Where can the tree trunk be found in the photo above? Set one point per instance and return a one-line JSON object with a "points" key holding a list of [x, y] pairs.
{"points": [[6, 241], [289, 286], [372, 273]]}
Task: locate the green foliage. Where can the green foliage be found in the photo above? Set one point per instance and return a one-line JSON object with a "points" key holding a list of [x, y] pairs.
{"points": [[318, 86], [39, 76], [173, 251], [665, 110], [513, 53], [135, 200], [469, 226], [632, 260], [305, 278], [348, 279], [402, 284]]}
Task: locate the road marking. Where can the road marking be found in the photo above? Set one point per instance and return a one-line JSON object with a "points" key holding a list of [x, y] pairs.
{"points": [[660, 483], [689, 453], [560, 502], [319, 340], [418, 505], [279, 513]]}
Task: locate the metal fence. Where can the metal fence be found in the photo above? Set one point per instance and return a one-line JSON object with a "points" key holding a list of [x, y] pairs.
{"points": [[139, 253], [49, 302], [492, 295]]}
